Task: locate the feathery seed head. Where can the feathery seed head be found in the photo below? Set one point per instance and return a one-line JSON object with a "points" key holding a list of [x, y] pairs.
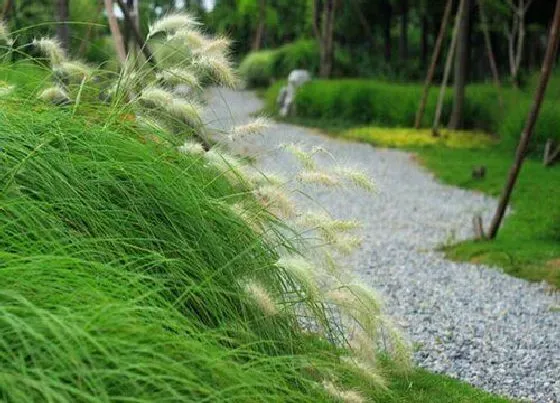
{"points": [[367, 370], [151, 124], [185, 111], [257, 126], [251, 219], [273, 179], [305, 158], [346, 396], [328, 227], [259, 178], [228, 165], [319, 178], [261, 296], [175, 76], [56, 95], [51, 49], [172, 23], [5, 34], [357, 177], [190, 38], [157, 97], [218, 46], [191, 148], [217, 68], [346, 244], [301, 271], [73, 69], [274, 199], [361, 304]]}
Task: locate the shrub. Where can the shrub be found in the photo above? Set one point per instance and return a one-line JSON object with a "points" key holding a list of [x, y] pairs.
{"points": [[547, 124], [303, 54], [359, 102], [258, 68], [371, 102]]}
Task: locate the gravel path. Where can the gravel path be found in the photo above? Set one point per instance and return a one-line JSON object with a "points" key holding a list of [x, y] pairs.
{"points": [[469, 321]]}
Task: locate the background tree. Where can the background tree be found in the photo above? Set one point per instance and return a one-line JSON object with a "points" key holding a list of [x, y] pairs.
{"points": [[323, 26], [62, 28], [516, 32], [461, 65]]}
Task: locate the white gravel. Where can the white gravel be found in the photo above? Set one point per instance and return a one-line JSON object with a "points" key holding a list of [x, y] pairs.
{"points": [[469, 321]]}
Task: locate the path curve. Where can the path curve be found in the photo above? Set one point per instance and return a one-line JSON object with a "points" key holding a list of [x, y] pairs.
{"points": [[469, 321]]}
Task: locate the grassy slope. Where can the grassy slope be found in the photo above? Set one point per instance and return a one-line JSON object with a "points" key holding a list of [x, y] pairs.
{"points": [[423, 387], [119, 270]]}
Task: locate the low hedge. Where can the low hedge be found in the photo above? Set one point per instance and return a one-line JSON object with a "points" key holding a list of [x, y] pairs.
{"points": [[370, 102], [261, 68]]}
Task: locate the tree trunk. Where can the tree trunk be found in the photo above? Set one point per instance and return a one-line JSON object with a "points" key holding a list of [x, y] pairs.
{"points": [[387, 32], [128, 29], [403, 37], [490, 51], [115, 31], [6, 10], [432, 69], [365, 24], [62, 28], [516, 37], [448, 64], [548, 64], [89, 33], [424, 42], [261, 26], [461, 68], [130, 19], [327, 38]]}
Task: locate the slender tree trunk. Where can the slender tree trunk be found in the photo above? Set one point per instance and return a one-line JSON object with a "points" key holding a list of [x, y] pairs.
{"points": [[365, 24], [516, 36], [327, 42], [261, 25], [424, 42], [128, 30], [317, 20], [520, 41], [548, 64], [6, 9], [448, 64], [115, 31], [89, 33], [387, 31], [136, 34], [490, 51], [461, 68], [432, 69], [62, 27], [403, 39]]}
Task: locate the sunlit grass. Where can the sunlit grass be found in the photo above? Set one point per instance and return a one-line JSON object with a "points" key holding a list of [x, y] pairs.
{"points": [[400, 137]]}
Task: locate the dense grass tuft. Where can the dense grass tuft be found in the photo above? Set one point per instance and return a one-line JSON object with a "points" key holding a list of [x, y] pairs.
{"points": [[122, 271]]}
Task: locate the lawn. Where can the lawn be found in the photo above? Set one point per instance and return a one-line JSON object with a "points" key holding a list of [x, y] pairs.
{"points": [[528, 245]]}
